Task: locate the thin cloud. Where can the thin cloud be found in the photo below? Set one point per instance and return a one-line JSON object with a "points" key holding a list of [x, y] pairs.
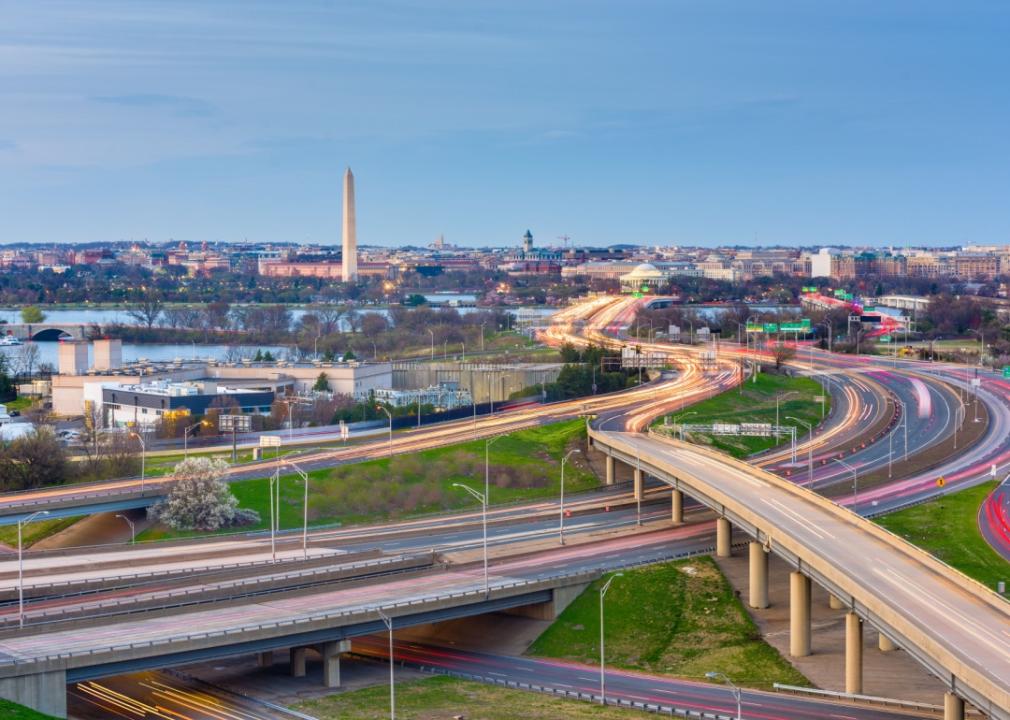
{"points": [[175, 104]]}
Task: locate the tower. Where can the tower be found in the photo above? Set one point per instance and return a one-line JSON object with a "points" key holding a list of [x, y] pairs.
{"points": [[528, 242], [349, 260]]}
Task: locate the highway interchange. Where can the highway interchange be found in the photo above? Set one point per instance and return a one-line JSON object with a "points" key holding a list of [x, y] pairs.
{"points": [[862, 393]]}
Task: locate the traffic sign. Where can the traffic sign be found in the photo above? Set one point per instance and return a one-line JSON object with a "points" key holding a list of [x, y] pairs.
{"points": [[940, 482], [273, 441], [1006, 371]]}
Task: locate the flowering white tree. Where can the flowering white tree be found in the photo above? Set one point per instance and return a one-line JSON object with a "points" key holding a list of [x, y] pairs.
{"points": [[199, 499]]}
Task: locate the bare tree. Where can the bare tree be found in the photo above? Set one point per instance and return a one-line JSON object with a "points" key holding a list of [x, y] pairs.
{"points": [[783, 353], [147, 309]]}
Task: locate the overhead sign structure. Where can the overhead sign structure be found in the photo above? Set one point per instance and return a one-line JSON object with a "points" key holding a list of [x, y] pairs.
{"points": [[235, 423]]}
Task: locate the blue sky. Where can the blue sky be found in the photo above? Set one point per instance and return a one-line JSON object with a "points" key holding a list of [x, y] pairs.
{"points": [[655, 122]]}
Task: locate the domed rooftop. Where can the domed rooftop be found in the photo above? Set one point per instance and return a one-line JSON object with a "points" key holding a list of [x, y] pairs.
{"points": [[645, 271]]}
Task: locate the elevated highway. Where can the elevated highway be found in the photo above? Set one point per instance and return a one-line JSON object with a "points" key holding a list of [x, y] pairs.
{"points": [[954, 626]]}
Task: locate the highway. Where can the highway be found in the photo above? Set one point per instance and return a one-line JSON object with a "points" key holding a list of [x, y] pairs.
{"points": [[950, 621], [628, 686]]}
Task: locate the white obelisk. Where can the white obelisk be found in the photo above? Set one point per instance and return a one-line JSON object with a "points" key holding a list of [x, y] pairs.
{"points": [[349, 262]]}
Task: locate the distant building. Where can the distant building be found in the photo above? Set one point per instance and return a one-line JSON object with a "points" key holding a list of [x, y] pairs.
{"points": [[644, 278], [530, 261]]}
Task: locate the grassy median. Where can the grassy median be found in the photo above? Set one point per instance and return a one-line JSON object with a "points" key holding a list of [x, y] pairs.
{"points": [[443, 698], [948, 528], [754, 402], [679, 618], [523, 465], [34, 531], [10, 711]]}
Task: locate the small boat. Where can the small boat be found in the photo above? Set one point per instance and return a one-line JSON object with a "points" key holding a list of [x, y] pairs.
{"points": [[9, 341]]}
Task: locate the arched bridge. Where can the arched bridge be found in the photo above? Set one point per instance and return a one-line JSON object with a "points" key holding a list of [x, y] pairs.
{"points": [[45, 331]]}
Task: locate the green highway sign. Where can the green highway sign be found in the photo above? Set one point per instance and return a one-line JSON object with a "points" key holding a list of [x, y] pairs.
{"points": [[885, 338], [1006, 371], [754, 328], [794, 327], [771, 327]]}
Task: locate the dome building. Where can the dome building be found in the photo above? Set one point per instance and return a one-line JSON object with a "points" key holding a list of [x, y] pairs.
{"points": [[645, 278]]}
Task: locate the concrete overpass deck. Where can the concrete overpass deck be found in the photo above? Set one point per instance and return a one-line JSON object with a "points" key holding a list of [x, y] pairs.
{"points": [[957, 628]]}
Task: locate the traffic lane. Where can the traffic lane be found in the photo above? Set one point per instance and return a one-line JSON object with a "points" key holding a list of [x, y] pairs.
{"points": [[968, 627], [994, 519], [623, 684], [628, 549], [159, 696]]}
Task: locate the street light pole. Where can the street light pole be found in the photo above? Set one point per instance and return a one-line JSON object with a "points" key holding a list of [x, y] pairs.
{"points": [[143, 458], [390, 416], [133, 530], [21, 568], [305, 510], [487, 466], [483, 505], [810, 447], [432, 333], [275, 483], [561, 523], [737, 695], [855, 480], [388, 622], [603, 667]]}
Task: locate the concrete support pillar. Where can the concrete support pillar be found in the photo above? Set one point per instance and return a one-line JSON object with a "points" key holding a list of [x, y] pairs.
{"points": [[835, 602], [853, 654], [298, 661], [638, 483], [758, 576], [610, 469], [331, 661], [799, 614], [723, 538], [265, 659], [953, 707], [886, 644], [677, 507], [45, 692]]}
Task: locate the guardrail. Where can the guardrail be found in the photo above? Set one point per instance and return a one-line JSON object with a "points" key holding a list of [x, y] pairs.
{"points": [[654, 708], [873, 700]]}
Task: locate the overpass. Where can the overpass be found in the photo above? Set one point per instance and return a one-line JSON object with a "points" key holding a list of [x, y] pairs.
{"points": [[45, 331], [35, 668], [957, 628]]}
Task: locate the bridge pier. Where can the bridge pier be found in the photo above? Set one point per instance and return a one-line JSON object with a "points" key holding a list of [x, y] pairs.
{"points": [[265, 659], [610, 469], [953, 707], [298, 661], [45, 692], [723, 538], [799, 614], [638, 483], [331, 652], [853, 654], [758, 576], [677, 507], [886, 644]]}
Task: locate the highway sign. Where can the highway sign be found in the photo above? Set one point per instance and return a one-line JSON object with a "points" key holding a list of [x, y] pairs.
{"points": [[273, 441], [771, 327], [976, 381], [234, 423], [756, 429], [1006, 371], [940, 482]]}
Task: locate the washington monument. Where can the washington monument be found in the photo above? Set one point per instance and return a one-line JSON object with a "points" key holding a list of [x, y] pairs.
{"points": [[349, 260]]}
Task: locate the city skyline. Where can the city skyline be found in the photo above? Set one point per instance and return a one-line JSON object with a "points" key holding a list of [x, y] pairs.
{"points": [[650, 124]]}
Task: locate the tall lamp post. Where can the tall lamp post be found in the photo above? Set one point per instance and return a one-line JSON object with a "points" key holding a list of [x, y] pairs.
{"points": [[561, 523], [432, 333], [733, 687], [133, 528], [390, 416], [483, 508], [185, 437], [305, 510], [143, 458], [21, 568], [603, 667], [981, 340], [810, 446], [388, 622], [855, 480]]}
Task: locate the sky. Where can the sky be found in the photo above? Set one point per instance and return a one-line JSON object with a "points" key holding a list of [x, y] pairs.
{"points": [[652, 122]]}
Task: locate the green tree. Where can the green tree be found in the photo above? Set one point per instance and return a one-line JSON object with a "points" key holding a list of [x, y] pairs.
{"points": [[32, 314], [33, 460], [322, 383]]}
